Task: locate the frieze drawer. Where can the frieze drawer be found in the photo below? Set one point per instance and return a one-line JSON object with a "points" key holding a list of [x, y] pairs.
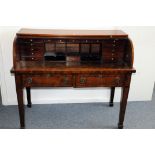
{"points": [[98, 80], [48, 80]]}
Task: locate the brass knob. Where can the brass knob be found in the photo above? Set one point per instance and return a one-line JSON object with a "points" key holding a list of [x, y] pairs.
{"points": [[49, 75], [82, 80]]}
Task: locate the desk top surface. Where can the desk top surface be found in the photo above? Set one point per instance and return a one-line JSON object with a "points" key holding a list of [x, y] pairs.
{"points": [[70, 33], [48, 66]]}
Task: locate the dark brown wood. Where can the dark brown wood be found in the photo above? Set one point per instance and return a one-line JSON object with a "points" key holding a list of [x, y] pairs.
{"points": [[19, 91], [70, 33], [125, 91], [112, 96], [28, 91], [72, 58]]}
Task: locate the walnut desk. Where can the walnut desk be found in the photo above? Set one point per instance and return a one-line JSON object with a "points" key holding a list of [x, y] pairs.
{"points": [[72, 58]]}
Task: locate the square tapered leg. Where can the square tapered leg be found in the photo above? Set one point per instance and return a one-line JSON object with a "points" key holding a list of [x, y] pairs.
{"points": [[112, 97]]}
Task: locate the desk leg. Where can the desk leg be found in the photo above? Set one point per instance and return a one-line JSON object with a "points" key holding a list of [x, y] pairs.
{"points": [[28, 91], [125, 91], [21, 109], [112, 96]]}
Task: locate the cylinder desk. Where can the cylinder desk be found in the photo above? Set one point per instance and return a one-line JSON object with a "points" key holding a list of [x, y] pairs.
{"points": [[72, 58]]}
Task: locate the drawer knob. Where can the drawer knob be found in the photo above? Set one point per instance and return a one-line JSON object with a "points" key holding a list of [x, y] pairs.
{"points": [[82, 80], [29, 80], [49, 75]]}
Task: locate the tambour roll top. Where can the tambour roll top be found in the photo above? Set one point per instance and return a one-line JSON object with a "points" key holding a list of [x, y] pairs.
{"points": [[78, 46]]}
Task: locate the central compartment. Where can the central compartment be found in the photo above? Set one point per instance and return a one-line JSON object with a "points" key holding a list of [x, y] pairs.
{"points": [[67, 51]]}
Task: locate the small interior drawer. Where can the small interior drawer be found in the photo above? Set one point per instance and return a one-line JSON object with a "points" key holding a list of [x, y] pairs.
{"points": [[47, 80], [31, 58]]}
